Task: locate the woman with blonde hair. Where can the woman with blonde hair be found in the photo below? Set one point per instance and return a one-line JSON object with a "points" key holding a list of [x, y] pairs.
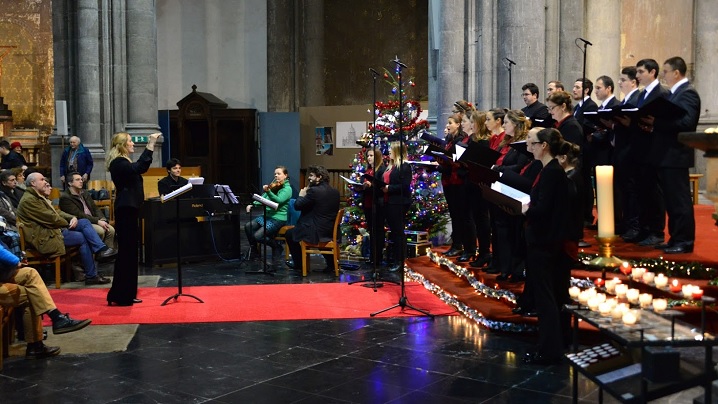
{"points": [[478, 207], [394, 198], [127, 177]]}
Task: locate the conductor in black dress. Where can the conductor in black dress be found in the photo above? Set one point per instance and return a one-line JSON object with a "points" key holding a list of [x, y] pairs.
{"points": [[127, 177], [318, 203]]}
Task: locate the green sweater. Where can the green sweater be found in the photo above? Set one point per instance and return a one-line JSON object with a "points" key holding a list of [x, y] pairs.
{"points": [[282, 197]]}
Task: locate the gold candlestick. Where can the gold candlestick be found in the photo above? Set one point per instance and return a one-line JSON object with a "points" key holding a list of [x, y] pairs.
{"points": [[605, 257]]}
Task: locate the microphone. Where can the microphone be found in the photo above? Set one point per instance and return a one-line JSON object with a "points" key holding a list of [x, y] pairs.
{"points": [[585, 41], [511, 62], [397, 61], [376, 73]]}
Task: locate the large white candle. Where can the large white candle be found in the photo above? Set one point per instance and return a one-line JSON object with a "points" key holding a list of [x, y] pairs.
{"points": [[604, 200]]}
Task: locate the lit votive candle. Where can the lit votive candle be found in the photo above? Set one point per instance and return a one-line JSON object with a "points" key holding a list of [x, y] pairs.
{"points": [[621, 290], [618, 311], [660, 305], [611, 285], [632, 295], [645, 299], [687, 291], [612, 302], [675, 286], [661, 281], [601, 297], [697, 293], [583, 297], [637, 273], [574, 291], [629, 318], [605, 309], [649, 277], [593, 303]]}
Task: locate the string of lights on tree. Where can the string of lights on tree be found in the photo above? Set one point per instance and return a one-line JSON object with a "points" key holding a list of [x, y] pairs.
{"points": [[428, 211]]}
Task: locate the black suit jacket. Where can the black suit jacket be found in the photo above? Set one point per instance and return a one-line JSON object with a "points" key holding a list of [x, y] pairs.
{"points": [[571, 131], [666, 150], [626, 139], [399, 185], [547, 217], [127, 177], [538, 111], [644, 140], [318, 209], [599, 150], [587, 106]]}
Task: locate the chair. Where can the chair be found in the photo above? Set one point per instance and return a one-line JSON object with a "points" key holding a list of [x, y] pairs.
{"points": [[292, 217], [329, 247], [105, 203], [36, 258]]}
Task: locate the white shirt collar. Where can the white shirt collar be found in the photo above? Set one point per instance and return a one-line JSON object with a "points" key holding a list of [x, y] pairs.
{"points": [[651, 86], [606, 101], [680, 83], [628, 96]]}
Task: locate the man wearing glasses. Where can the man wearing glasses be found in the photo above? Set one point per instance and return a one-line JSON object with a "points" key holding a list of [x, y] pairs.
{"points": [[536, 111], [8, 185]]}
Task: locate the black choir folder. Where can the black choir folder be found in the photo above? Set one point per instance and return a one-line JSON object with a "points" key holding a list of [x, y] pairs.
{"points": [[508, 199], [659, 107], [476, 153], [479, 174], [376, 182]]}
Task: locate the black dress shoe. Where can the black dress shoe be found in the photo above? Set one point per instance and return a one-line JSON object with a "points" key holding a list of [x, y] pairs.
{"points": [[680, 248], [492, 270], [481, 260], [663, 246], [535, 358], [583, 244], [650, 241], [289, 263], [631, 236], [453, 252], [97, 280], [120, 304], [465, 257], [65, 324], [41, 351], [517, 278], [502, 277], [106, 255], [136, 300]]}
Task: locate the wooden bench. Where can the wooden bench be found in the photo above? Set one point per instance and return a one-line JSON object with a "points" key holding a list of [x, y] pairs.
{"points": [[695, 178]]}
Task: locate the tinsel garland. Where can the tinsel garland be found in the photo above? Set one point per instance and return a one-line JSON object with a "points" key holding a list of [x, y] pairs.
{"points": [[689, 270], [479, 286], [467, 311]]}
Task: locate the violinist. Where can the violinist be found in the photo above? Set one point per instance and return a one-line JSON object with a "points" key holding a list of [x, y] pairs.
{"points": [[278, 191], [174, 178]]}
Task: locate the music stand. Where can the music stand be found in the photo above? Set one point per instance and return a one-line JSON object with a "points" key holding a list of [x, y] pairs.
{"points": [[174, 195], [225, 194], [265, 204]]}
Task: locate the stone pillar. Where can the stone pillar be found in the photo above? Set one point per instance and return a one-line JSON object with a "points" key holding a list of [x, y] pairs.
{"points": [[281, 96], [521, 37], [603, 30], [450, 60], [312, 39], [571, 20], [553, 40], [487, 57], [87, 80], [141, 45], [706, 60]]}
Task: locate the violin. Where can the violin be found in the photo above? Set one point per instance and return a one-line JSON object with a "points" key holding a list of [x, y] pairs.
{"points": [[275, 186]]}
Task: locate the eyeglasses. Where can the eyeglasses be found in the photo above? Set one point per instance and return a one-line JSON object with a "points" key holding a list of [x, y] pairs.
{"points": [[533, 143], [551, 107]]}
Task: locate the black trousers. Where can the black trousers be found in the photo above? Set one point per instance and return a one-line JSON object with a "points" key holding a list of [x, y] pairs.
{"points": [[295, 250], [481, 218], [394, 217], [375, 227], [509, 250], [625, 181], [464, 235], [124, 280], [676, 187], [652, 217]]}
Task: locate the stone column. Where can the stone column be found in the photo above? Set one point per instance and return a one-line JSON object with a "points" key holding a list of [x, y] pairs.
{"points": [[141, 45], [487, 57], [552, 28], [312, 39], [571, 20], [706, 59], [603, 30], [281, 96], [450, 60], [87, 80], [521, 37]]}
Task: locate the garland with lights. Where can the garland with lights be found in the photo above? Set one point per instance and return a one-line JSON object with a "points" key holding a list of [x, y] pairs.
{"points": [[688, 270]]}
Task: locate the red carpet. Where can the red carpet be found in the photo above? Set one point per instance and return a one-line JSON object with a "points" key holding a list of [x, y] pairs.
{"points": [[249, 303]]}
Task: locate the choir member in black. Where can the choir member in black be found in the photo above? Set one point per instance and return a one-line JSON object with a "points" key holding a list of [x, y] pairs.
{"points": [[535, 110], [374, 161], [453, 180], [672, 158], [509, 248], [479, 207], [559, 104], [394, 200], [546, 235], [626, 152]]}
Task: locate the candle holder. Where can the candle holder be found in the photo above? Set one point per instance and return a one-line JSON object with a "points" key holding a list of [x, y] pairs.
{"points": [[605, 257]]}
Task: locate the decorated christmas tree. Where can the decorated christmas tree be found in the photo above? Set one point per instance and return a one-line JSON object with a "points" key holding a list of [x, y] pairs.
{"points": [[428, 211]]}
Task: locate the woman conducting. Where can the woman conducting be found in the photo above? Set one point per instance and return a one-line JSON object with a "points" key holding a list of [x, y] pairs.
{"points": [[127, 177]]}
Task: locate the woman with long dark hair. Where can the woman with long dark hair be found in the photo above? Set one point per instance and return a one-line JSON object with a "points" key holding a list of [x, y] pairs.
{"points": [[127, 177]]}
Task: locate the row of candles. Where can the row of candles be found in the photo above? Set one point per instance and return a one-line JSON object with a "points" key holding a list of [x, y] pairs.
{"points": [[612, 307], [660, 281]]}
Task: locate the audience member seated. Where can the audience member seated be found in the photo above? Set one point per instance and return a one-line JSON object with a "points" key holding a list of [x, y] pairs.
{"points": [[174, 178], [49, 231], [10, 158], [22, 286], [74, 200], [8, 185]]}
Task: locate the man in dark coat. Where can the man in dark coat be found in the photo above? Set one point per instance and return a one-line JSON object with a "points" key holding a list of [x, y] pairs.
{"points": [[318, 204]]}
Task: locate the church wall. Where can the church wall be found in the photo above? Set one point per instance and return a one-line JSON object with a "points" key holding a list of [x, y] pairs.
{"points": [[219, 45]]}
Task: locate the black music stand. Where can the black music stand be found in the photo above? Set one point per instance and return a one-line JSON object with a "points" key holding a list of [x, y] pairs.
{"points": [[165, 198], [403, 299], [265, 203], [225, 194]]}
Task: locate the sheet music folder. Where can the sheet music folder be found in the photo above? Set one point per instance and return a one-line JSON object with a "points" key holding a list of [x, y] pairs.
{"points": [[508, 199], [479, 174], [177, 192], [264, 201], [479, 154], [375, 181], [659, 107], [522, 147]]}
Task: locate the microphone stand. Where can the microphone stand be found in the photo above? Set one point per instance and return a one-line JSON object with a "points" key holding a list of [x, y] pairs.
{"points": [[403, 300], [511, 62], [374, 281], [585, 54]]}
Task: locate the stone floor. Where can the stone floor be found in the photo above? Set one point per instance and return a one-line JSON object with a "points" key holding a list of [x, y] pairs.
{"points": [[400, 360]]}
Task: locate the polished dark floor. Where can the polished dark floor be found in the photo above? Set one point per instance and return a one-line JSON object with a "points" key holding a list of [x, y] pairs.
{"points": [[400, 360]]}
